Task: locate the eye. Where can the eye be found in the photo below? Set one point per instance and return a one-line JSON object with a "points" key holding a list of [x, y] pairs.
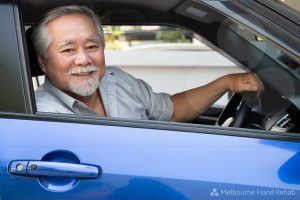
{"points": [[67, 50], [92, 47]]}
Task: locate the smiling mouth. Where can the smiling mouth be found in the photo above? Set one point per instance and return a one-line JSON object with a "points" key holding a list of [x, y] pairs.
{"points": [[83, 73]]}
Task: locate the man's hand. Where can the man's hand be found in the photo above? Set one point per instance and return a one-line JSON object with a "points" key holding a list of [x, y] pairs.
{"points": [[244, 82]]}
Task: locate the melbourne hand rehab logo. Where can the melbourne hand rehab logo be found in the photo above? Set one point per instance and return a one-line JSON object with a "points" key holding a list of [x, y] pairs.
{"points": [[214, 193], [258, 192]]}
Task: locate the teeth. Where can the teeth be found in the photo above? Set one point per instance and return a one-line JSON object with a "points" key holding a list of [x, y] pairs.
{"points": [[83, 71]]}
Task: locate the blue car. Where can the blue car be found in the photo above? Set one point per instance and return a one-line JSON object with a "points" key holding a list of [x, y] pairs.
{"points": [[257, 156]]}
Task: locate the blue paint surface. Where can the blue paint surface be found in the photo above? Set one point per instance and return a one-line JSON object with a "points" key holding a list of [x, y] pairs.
{"points": [[151, 164]]}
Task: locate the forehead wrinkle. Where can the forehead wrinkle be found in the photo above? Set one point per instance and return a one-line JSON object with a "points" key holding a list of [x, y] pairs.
{"points": [[65, 43]]}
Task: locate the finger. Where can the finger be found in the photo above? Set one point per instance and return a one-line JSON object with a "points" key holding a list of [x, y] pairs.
{"points": [[250, 86], [260, 85]]}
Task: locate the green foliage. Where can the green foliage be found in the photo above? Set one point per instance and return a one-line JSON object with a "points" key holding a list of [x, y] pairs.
{"points": [[171, 36]]}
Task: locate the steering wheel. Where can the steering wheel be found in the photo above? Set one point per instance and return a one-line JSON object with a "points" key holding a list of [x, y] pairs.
{"points": [[237, 110]]}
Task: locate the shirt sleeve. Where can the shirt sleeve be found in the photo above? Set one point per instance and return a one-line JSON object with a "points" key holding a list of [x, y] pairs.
{"points": [[138, 93], [159, 106]]}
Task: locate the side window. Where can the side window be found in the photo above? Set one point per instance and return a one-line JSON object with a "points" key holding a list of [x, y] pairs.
{"points": [[279, 101], [281, 56], [170, 59]]}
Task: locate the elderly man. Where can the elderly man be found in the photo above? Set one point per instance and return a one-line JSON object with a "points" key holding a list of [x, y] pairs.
{"points": [[70, 48]]}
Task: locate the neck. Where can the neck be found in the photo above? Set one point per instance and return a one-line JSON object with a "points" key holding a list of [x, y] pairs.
{"points": [[93, 101]]}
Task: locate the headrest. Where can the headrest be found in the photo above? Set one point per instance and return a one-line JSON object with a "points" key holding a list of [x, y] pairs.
{"points": [[34, 65]]}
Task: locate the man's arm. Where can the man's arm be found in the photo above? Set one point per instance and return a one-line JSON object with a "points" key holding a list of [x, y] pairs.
{"points": [[191, 104]]}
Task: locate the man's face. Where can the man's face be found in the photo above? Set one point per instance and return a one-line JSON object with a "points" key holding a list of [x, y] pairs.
{"points": [[75, 61]]}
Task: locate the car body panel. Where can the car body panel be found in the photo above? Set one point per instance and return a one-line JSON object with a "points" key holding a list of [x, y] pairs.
{"points": [[172, 162]]}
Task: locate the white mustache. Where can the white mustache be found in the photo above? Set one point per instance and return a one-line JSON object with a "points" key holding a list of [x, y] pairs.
{"points": [[79, 70]]}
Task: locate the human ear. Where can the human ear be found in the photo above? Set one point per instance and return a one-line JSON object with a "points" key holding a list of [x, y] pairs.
{"points": [[41, 61]]}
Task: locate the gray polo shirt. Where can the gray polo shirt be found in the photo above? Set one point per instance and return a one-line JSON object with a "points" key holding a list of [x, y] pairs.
{"points": [[123, 96]]}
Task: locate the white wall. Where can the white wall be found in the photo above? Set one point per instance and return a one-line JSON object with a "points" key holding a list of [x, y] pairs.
{"points": [[173, 71]]}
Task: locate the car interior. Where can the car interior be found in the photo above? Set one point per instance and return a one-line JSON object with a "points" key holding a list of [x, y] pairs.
{"points": [[277, 109]]}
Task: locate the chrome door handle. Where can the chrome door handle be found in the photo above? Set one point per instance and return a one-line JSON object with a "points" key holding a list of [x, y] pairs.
{"points": [[57, 169]]}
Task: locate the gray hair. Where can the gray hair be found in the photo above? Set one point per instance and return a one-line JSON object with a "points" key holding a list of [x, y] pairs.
{"points": [[40, 35]]}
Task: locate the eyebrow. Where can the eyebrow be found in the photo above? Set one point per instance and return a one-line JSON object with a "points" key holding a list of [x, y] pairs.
{"points": [[70, 42], [65, 43], [93, 39]]}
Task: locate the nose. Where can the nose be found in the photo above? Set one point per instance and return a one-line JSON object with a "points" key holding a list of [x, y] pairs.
{"points": [[82, 58]]}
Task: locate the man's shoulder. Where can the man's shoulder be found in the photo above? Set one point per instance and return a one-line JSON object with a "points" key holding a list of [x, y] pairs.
{"points": [[48, 102], [115, 70], [120, 74]]}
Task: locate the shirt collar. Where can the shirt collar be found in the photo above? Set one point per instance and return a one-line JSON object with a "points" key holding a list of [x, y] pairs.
{"points": [[107, 89], [72, 104], [65, 99]]}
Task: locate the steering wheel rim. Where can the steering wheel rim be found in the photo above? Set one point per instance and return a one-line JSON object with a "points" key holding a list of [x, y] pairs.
{"points": [[237, 110]]}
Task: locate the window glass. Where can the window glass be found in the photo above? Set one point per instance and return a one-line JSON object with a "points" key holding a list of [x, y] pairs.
{"points": [[277, 54], [280, 110]]}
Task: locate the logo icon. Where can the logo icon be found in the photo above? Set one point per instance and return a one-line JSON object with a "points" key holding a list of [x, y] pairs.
{"points": [[214, 192]]}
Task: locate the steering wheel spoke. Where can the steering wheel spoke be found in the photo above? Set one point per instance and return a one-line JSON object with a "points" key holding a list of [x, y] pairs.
{"points": [[236, 112]]}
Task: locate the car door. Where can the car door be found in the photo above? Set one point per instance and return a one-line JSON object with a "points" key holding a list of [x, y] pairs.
{"points": [[51, 159], [49, 156]]}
